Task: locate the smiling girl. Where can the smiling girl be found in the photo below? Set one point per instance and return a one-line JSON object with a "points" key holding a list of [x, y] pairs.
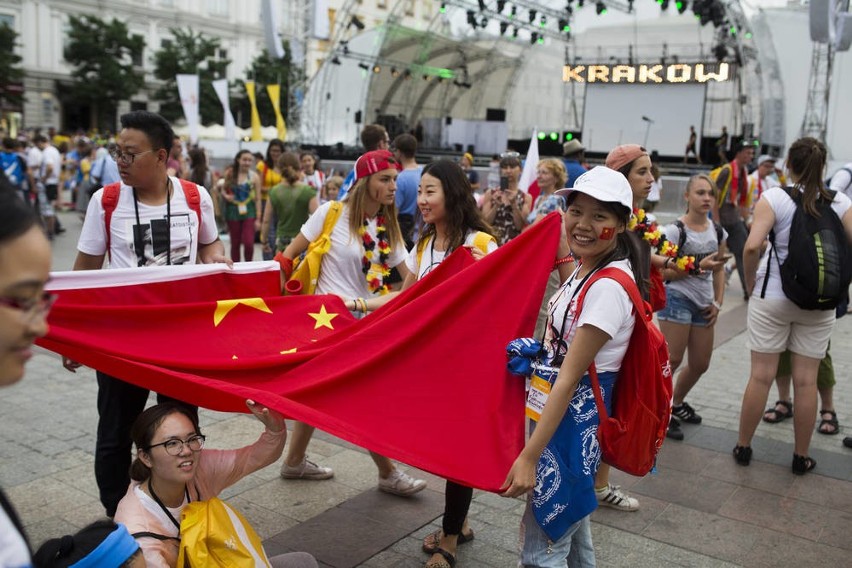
{"points": [[599, 208]]}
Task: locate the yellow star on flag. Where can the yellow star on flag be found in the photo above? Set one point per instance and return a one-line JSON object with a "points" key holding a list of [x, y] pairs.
{"points": [[223, 307], [323, 318]]}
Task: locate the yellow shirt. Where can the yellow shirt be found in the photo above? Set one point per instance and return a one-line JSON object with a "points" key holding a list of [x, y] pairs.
{"points": [[268, 179]]}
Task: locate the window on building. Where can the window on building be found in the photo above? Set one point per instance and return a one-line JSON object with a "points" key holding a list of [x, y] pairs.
{"points": [[165, 43], [222, 54], [7, 19], [218, 7], [139, 58]]}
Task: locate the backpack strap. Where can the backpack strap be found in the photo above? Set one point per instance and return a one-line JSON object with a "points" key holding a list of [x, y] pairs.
{"points": [[681, 239], [193, 199], [146, 534], [719, 233], [421, 246], [109, 201], [641, 311]]}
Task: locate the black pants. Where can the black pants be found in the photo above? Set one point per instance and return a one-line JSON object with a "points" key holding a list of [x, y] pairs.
{"points": [[737, 236], [457, 500], [119, 404]]}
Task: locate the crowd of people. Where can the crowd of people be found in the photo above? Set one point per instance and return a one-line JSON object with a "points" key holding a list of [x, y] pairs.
{"points": [[147, 200]]}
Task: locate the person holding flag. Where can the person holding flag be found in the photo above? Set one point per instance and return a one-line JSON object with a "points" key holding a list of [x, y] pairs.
{"points": [[152, 223], [366, 242], [556, 462]]}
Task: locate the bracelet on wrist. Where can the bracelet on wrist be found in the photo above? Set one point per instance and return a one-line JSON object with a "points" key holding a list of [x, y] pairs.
{"points": [[563, 260], [718, 305], [667, 262]]}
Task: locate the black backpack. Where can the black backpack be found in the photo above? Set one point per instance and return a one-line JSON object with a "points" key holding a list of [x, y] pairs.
{"points": [[818, 268], [681, 240]]}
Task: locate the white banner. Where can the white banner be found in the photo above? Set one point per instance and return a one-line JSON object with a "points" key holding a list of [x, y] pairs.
{"points": [[528, 175], [221, 88], [269, 14], [188, 90]]}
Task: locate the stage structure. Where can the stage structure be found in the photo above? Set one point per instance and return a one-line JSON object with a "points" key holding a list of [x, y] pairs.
{"points": [[401, 77], [831, 31]]}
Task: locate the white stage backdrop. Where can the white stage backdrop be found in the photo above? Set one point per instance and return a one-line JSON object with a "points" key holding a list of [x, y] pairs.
{"points": [[613, 115]]}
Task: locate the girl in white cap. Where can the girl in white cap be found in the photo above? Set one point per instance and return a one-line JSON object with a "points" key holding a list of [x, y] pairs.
{"points": [[556, 461]]}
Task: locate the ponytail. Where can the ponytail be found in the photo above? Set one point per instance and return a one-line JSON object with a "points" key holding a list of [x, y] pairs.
{"points": [[806, 160]]}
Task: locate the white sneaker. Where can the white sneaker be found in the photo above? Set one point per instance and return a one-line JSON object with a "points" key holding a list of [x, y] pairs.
{"points": [[612, 496], [400, 483], [306, 470]]}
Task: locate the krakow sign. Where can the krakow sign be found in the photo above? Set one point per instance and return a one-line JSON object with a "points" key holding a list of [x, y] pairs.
{"points": [[672, 73]]}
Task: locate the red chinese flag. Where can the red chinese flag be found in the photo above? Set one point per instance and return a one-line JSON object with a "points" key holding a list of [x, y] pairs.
{"points": [[422, 380]]}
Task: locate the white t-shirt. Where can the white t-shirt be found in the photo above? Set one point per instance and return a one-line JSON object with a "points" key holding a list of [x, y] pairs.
{"points": [[51, 156], [697, 287], [13, 547], [152, 507], [154, 235], [757, 186], [341, 267], [784, 209], [607, 307], [654, 194], [34, 160], [433, 257], [841, 181]]}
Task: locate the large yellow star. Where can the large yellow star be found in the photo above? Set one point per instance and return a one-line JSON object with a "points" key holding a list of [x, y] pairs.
{"points": [[223, 307], [323, 318]]}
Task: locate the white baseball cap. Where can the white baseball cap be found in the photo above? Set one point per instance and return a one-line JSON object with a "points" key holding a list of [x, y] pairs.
{"points": [[604, 185], [766, 158]]}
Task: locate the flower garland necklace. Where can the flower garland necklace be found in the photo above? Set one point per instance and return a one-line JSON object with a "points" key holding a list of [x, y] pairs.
{"points": [[650, 232], [375, 283]]}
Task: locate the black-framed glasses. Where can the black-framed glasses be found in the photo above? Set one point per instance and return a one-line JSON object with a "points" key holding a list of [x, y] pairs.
{"points": [[125, 157], [174, 447], [31, 307]]}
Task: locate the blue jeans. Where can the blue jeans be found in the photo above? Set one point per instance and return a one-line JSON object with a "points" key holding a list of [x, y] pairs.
{"points": [[682, 310], [574, 550]]}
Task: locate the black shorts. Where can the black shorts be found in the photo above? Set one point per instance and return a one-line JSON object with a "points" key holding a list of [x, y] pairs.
{"points": [[51, 191]]}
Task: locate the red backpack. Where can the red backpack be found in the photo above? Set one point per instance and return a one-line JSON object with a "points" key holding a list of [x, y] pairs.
{"points": [[109, 202], [642, 396]]}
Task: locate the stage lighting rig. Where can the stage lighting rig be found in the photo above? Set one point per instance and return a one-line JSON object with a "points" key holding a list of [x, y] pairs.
{"points": [[533, 14], [600, 8], [471, 19], [503, 27], [500, 5], [356, 21], [681, 6], [482, 6]]}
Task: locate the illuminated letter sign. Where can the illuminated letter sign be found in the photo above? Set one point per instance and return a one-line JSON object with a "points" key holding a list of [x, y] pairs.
{"points": [[623, 74], [649, 74], [599, 73], [573, 73]]}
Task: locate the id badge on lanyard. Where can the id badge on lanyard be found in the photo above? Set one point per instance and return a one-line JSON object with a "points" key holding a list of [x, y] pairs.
{"points": [[242, 208], [537, 396]]}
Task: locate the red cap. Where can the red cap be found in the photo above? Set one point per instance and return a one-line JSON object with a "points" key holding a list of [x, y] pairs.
{"points": [[623, 155], [374, 162]]}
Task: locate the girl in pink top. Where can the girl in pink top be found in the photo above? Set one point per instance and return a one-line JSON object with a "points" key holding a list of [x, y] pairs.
{"points": [[171, 469]]}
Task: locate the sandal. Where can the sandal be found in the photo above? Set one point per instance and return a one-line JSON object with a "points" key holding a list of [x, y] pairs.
{"points": [[432, 542], [828, 426], [802, 464], [447, 560], [742, 454], [774, 415]]}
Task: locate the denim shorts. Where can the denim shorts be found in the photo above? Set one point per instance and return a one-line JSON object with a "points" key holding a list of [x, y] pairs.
{"points": [[680, 309]]}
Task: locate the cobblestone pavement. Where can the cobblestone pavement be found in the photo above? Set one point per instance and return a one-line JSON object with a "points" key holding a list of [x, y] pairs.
{"points": [[698, 509]]}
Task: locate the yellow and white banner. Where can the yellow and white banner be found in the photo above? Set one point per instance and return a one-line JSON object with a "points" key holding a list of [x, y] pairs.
{"points": [[255, 117], [275, 96]]}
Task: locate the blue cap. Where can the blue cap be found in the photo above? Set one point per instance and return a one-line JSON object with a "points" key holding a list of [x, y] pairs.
{"points": [[112, 552]]}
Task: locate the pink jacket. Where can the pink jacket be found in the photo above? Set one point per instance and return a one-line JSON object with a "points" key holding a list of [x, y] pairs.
{"points": [[217, 470]]}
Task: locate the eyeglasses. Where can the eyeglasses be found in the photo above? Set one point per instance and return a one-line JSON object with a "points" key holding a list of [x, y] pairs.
{"points": [[125, 157], [31, 307], [174, 447]]}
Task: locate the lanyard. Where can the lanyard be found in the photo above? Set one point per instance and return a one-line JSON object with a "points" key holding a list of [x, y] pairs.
{"points": [[561, 344], [162, 506], [138, 243]]}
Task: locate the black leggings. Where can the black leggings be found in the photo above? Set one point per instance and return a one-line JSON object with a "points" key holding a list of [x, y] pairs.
{"points": [[457, 500]]}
